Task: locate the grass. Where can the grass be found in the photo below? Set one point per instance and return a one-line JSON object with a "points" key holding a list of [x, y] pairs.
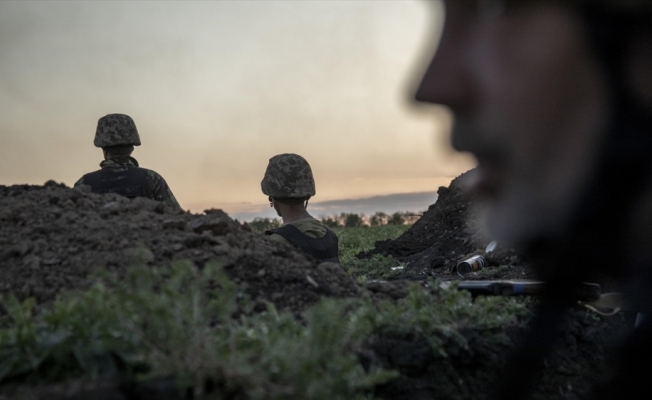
{"points": [[178, 322], [355, 240], [363, 238]]}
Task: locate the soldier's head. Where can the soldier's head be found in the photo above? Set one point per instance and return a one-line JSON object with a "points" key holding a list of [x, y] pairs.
{"points": [[536, 88], [117, 135], [288, 180]]}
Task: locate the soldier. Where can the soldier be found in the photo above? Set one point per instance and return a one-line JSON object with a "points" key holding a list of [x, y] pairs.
{"points": [[289, 184], [554, 99], [117, 135]]}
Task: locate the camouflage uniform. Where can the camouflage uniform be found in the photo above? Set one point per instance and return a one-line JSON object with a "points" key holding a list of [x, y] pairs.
{"points": [[121, 174], [154, 186], [309, 235]]}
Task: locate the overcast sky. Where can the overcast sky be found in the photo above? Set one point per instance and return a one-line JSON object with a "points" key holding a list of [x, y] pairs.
{"points": [[217, 88]]}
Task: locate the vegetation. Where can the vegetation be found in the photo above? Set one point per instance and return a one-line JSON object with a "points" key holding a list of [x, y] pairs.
{"points": [[263, 224], [356, 240], [357, 234], [375, 267], [352, 220], [344, 220], [178, 321]]}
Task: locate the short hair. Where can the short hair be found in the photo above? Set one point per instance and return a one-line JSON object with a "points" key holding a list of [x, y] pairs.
{"points": [[119, 150], [292, 201]]}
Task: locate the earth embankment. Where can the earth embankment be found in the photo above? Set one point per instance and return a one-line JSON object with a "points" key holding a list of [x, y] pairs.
{"points": [[53, 239]]}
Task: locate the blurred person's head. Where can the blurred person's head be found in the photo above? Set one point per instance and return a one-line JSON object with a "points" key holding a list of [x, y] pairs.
{"points": [[536, 88], [554, 100]]}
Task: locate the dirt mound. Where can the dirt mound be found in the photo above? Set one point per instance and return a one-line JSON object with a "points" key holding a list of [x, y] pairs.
{"points": [[433, 246], [446, 233], [53, 238]]}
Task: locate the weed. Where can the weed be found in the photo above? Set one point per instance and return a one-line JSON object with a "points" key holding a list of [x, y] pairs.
{"points": [[262, 224], [359, 239], [355, 240], [376, 267], [439, 314], [178, 321]]}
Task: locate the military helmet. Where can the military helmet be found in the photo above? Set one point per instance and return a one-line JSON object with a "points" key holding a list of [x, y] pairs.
{"points": [[288, 176], [115, 130]]}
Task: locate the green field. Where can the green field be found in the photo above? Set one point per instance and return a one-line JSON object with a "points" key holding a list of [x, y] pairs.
{"points": [[358, 239]]}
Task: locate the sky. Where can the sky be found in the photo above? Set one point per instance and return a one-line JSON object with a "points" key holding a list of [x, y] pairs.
{"points": [[217, 88]]}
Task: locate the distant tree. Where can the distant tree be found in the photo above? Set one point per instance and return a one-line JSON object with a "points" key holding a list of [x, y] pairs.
{"points": [[411, 218], [396, 219], [353, 220], [331, 222], [263, 224], [378, 219]]}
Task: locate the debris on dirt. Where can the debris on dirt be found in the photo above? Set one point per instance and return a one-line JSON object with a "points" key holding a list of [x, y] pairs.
{"points": [[53, 238], [445, 235]]}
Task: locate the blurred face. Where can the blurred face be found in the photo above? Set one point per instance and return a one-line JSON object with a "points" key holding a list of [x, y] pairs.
{"points": [[530, 102]]}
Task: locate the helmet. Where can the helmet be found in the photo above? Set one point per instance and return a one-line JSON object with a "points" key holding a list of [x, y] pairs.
{"points": [[288, 175], [115, 130]]}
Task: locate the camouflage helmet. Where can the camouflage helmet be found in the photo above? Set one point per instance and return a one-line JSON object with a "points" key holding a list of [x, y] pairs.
{"points": [[115, 130], [288, 176]]}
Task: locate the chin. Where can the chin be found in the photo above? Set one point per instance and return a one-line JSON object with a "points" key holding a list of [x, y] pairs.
{"points": [[518, 221]]}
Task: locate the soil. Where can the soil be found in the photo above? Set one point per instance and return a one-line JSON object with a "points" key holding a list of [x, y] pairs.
{"points": [[580, 361], [445, 235], [54, 238]]}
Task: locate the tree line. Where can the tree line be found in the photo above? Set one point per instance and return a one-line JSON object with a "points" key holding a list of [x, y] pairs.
{"points": [[346, 220]]}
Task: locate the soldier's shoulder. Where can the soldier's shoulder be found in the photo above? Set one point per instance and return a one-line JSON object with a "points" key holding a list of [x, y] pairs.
{"points": [[153, 174], [80, 181], [85, 179], [278, 238]]}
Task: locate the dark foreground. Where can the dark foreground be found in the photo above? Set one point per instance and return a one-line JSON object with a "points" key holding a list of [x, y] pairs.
{"points": [[54, 239]]}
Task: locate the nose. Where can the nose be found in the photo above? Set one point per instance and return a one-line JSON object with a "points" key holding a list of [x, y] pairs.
{"points": [[447, 80]]}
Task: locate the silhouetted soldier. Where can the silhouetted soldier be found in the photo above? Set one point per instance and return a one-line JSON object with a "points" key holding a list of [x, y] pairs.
{"points": [[117, 135], [289, 183], [554, 98]]}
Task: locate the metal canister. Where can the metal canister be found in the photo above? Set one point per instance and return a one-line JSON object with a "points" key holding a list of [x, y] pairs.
{"points": [[472, 264]]}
